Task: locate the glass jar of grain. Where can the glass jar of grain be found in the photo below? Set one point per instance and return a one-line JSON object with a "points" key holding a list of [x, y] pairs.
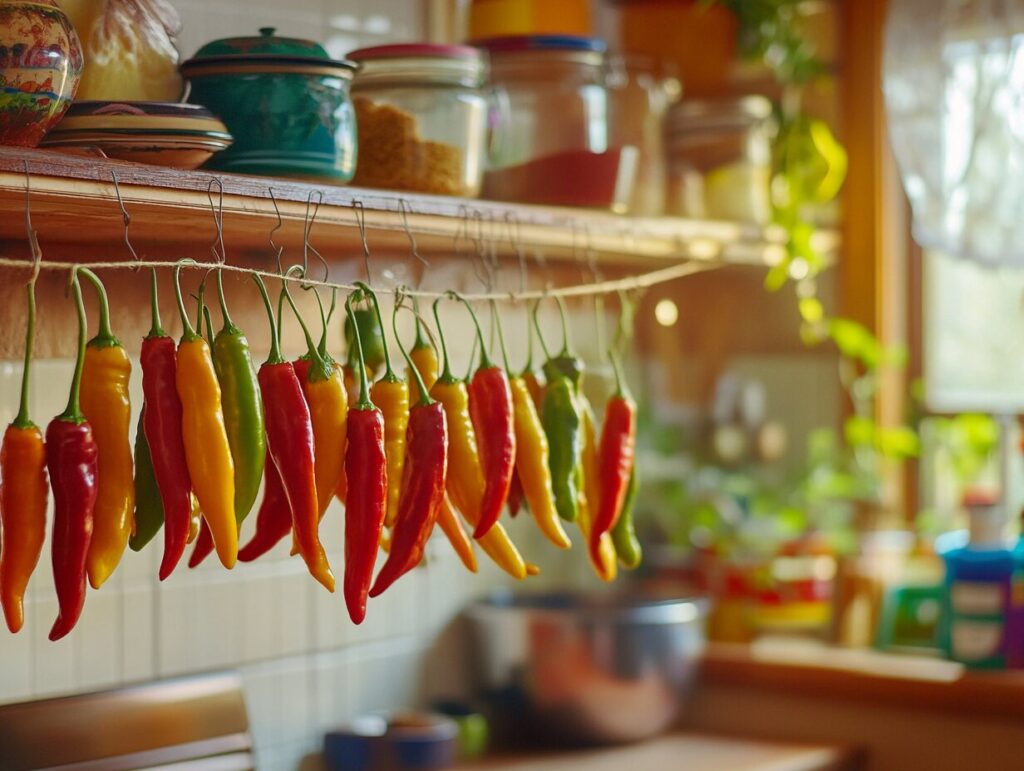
{"points": [[422, 116]]}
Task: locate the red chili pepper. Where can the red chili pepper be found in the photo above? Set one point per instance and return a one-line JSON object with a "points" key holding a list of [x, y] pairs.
{"points": [[71, 460], [274, 518], [204, 545], [515, 496], [366, 470], [616, 453], [423, 483], [491, 410]]}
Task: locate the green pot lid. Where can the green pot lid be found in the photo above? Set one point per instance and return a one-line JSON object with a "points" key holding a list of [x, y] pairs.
{"points": [[264, 50]]}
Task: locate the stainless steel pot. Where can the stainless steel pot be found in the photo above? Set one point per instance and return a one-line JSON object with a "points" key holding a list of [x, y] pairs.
{"points": [[585, 668]]}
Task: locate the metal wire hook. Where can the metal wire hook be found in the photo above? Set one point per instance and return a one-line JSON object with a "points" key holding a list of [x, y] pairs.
{"points": [[403, 210], [217, 248], [514, 232], [307, 228], [33, 240], [126, 217], [278, 250], [361, 222]]}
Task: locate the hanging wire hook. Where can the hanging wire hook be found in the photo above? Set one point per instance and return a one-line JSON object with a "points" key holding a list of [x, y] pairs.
{"points": [[277, 250], [480, 266], [403, 210], [514, 239], [217, 248], [307, 228], [126, 217], [33, 240], [361, 222]]}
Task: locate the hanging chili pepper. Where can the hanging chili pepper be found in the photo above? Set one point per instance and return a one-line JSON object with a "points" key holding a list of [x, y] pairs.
{"points": [[196, 520], [207, 450], [490, 408], [366, 499], [560, 416], [290, 441], [204, 546], [163, 431], [274, 518], [564, 363], [457, 536], [602, 555], [424, 357], [615, 458], [370, 332], [529, 376], [149, 509], [107, 408], [465, 476], [423, 482], [391, 396], [627, 545], [515, 494], [24, 491], [71, 459], [242, 405], [532, 471]]}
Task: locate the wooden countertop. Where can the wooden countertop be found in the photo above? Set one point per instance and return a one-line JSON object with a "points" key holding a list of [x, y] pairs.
{"points": [[695, 752]]}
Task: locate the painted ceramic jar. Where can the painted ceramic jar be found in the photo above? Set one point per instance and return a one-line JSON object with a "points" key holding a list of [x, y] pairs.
{"points": [[40, 65], [285, 102]]}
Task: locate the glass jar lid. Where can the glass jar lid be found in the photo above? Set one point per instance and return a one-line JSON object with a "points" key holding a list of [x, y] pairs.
{"points": [[266, 52], [733, 114], [526, 50], [420, 64]]}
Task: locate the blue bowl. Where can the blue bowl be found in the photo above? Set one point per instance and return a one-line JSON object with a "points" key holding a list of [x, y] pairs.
{"points": [[403, 741]]}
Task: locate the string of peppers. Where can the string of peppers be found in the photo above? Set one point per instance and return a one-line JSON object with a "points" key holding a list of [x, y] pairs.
{"points": [[214, 430]]}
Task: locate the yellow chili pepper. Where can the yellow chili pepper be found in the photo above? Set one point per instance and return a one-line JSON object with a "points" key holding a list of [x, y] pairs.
{"points": [[426, 364], [607, 565], [207, 451], [391, 395], [457, 535], [532, 465], [107, 407], [328, 411], [533, 385], [466, 477]]}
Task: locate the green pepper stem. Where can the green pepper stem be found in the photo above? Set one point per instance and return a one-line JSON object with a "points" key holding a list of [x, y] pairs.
{"points": [[420, 341], [425, 399], [73, 412], [620, 381], [228, 323], [565, 327], [320, 370], [389, 373], [599, 322], [156, 329], [105, 337], [485, 360], [209, 324], [528, 367], [189, 333], [501, 334], [22, 420], [446, 371], [364, 383], [322, 347], [200, 306], [540, 335], [274, 357]]}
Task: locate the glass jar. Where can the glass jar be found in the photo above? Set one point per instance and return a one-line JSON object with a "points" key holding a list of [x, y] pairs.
{"points": [[551, 142], [642, 91], [422, 118], [720, 159]]}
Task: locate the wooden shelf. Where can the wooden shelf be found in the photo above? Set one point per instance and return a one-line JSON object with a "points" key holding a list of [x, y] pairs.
{"points": [[74, 202]]}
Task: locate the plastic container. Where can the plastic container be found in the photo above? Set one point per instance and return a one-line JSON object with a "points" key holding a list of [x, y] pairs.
{"points": [[552, 144], [720, 159], [423, 118], [978, 577]]}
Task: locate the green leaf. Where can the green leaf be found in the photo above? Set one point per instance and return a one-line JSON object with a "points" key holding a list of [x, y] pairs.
{"points": [[859, 431], [811, 309], [777, 276], [899, 442]]}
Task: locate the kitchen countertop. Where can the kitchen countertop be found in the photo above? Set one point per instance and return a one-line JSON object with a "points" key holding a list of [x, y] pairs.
{"points": [[695, 752]]}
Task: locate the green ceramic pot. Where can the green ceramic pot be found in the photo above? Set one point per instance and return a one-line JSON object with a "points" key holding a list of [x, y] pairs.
{"points": [[284, 100]]}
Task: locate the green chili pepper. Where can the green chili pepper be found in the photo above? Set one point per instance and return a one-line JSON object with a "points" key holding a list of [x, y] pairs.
{"points": [[562, 424], [370, 335], [566, 363], [149, 506], [627, 546], [243, 408]]}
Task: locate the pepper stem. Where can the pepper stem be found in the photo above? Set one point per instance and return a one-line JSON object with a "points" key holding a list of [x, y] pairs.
{"points": [[425, 399], [364, 383], [528, 367], [322, 347], [501, 334], [421, 341], [446, 371], [209, 324], [189, 333], [540, 335], [228, 323], [485, 360], [156, 329], [274, 357], [620, 381], [321, 371], [565, 327], [22, 420], [105, 337], [389, 373], [73, 412]]}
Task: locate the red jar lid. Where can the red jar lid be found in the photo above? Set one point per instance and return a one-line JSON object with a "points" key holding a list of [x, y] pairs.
{"points": [[415, 50]]}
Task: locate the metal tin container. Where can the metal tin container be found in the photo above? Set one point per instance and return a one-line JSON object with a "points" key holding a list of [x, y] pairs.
{"points": [[284, 100], [589, 668]]}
